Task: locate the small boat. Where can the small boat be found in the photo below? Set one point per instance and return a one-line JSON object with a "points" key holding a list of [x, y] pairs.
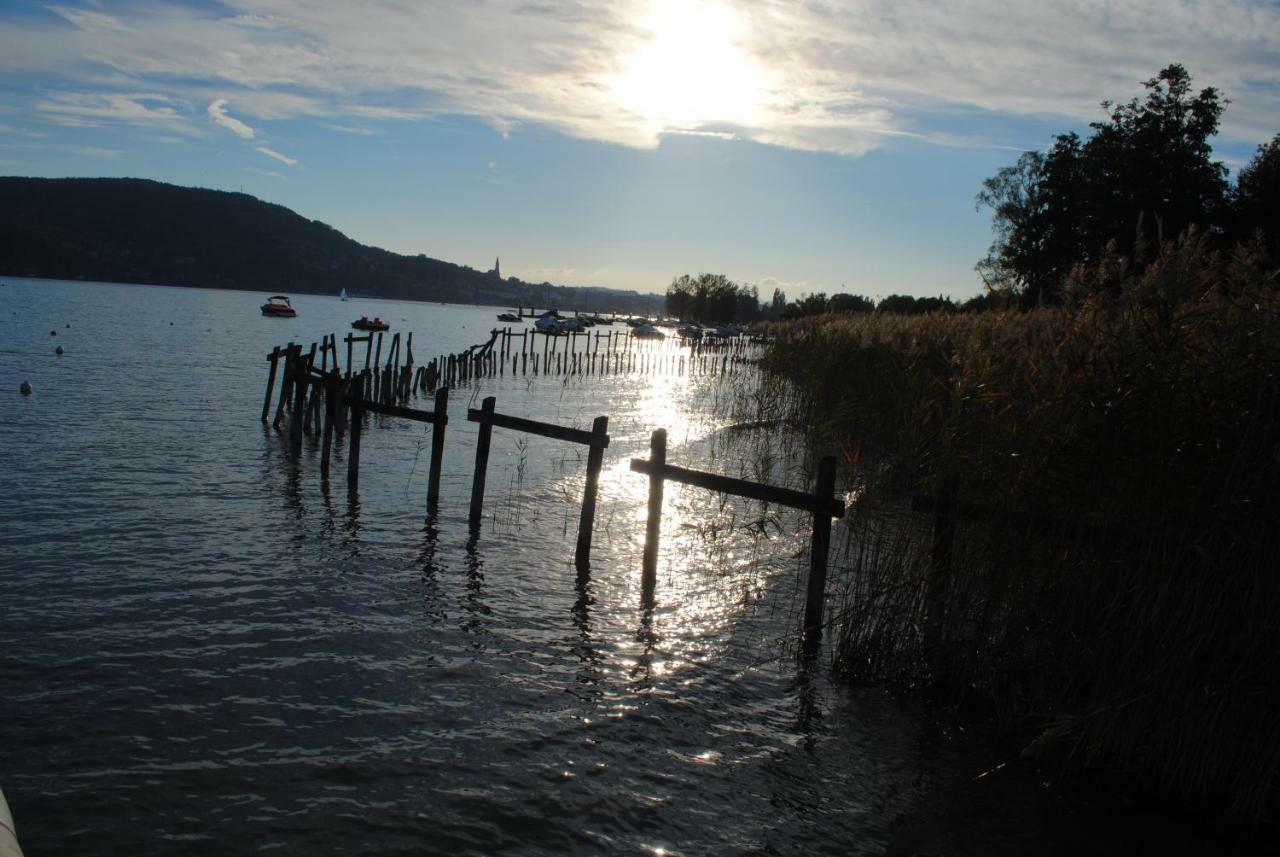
{"points": [[548, 325], [647, 331], [279, 305], [508, 316], [342, 295], [366, 323], [690, 331]]}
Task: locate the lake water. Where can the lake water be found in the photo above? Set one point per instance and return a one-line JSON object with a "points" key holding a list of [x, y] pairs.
{"points": [[204, 649]]}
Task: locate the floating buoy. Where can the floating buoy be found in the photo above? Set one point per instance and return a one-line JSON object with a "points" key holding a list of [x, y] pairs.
{"points": [[25, 388], [68, 324], [58, 351], [53, 333]]}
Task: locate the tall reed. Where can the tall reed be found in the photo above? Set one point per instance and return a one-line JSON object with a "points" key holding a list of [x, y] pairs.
{"points": [[1112, 593]]}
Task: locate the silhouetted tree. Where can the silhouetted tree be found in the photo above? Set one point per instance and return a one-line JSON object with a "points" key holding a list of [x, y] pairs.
{"points": [[1147, 170], [1255, 201]]}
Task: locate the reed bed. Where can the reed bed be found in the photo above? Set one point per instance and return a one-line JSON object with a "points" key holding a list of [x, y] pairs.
{"points": [[1112, 593]]}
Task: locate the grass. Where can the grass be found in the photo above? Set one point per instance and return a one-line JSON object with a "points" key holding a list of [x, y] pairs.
{"points": [[1113, 593]]}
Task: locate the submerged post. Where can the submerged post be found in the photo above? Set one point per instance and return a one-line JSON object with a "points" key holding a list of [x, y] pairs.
{"points": [[653, 526], [818, 549], [482, 460], [586, 523], [437, 447]]}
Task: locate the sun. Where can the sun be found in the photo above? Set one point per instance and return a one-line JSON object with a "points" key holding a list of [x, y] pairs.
{"points": [[692, 72]]}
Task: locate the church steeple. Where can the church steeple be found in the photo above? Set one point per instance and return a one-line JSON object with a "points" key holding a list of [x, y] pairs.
{"points": [[497, 269]]}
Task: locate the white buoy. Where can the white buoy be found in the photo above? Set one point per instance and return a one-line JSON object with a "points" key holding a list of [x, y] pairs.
{"points": [[25, 388]]}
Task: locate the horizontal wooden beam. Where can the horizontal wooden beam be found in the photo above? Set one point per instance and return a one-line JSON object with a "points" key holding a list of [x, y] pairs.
{"points": [[740, 487], [406, 413], [555, 432]]}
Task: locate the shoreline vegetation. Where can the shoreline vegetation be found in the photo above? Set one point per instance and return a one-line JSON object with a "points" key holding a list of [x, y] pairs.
{"points": [[1096, 574]]}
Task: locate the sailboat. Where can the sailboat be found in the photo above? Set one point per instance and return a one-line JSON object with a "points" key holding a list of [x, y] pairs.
{"points": [[342, 296]]}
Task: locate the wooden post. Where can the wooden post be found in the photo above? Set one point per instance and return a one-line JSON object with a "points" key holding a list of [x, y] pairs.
{"points": [[271, 382], [301, 387], [286, 384], [820, 545], [349, 343], [653, 525], [586, 523], [330, 413], [482, 462], [357, 424], [437, 448]]}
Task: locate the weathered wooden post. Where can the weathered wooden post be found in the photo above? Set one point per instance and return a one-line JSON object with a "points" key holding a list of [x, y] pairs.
{"points": [[302, 386], [482, 461], [330, 413], [820, 545], [653, 525], [273, 359], [286, 384], [437, 447], [357, 424], [595, 460]]}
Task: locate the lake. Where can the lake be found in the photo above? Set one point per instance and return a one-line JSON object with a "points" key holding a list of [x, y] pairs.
{"points": [[204, 649]]}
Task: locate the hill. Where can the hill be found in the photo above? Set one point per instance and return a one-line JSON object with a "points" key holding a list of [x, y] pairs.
{"points": [[142, 231]]}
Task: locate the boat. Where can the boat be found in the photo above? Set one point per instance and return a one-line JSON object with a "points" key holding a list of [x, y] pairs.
{"points": [[508, 316], [549, 325], [647, 331], [278, 305], [342, 295], [366, 323], [690, 331]]}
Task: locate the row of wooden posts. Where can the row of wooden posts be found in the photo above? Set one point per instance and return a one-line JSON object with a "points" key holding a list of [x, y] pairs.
{"points": [[313, 397]]}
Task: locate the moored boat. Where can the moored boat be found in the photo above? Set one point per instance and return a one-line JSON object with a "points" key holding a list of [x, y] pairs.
{"points": [[508, 316], [278, 305], [366, 323]]}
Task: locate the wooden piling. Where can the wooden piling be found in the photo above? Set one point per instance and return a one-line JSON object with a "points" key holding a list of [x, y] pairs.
{"points": [[271, 382], [819, 546], [586, 522], [653, 525], [437, 448], [482, 461], [357, 424]]}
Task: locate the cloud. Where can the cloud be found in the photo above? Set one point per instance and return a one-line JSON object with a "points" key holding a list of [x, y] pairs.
{"points": [[94, 109], [271, 153], [270, 173], [844, 76], [232, 124]]}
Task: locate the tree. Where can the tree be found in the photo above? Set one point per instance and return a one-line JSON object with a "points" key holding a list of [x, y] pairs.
{"points": [[1255, 201], [1146, 172], [849, 303]]}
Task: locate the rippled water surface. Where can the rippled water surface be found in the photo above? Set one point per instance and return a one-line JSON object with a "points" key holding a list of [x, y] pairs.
{"points": [[204, 648]]}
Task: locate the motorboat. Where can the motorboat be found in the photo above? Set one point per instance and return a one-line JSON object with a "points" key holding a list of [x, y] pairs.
{"points": [[366, 323], [278, 305], [573, 325], [647, 331], [549, 325], [508, 316], [690, 331]]}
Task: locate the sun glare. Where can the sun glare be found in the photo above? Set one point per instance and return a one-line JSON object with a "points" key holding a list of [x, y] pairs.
{"points": [[693, 71]]}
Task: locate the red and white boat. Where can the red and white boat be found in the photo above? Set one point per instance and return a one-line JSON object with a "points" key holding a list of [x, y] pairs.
{"points": [[279, 305]]}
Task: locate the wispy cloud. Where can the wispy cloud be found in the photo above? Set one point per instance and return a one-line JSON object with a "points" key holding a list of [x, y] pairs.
{"points": [[269, 173], [837, 76], [271, 153], [218, 114], [93, 109]]}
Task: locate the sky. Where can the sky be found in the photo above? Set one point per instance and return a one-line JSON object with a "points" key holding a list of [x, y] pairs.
{"points": [[808, 146]]}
